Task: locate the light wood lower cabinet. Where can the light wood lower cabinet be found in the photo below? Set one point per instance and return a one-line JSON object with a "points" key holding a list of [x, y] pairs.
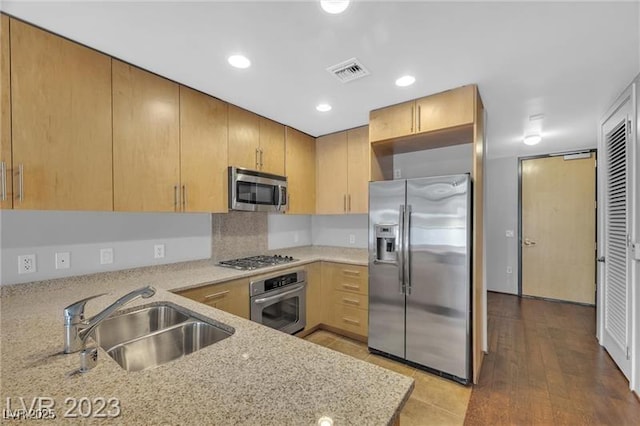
{"points": [[231, 296], [348, 308]]}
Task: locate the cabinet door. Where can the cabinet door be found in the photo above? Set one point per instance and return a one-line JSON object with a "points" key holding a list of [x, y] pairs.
{"points": [[146, 140], [6, 181], [447, 109], [231, 296], [271, 147], [358, 170], [316, 305], [331, 174], [392, 122], [61, 123], [301, 172], [244, 138], [203, 152]]}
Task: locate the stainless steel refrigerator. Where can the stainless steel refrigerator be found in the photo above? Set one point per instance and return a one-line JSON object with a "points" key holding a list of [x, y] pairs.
{"points": [[420, 273]]}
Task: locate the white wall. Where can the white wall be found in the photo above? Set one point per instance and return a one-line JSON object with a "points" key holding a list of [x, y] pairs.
{"points": [[132, 237], [340, 230], [289, 231], [435, 162], [501, 214]]}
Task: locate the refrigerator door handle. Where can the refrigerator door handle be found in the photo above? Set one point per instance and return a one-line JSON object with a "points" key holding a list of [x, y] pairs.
{"points": [[406, 239], [401, 249]]}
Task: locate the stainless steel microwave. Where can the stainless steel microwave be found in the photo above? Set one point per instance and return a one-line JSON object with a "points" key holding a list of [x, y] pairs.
{"points": [[254, 191]]}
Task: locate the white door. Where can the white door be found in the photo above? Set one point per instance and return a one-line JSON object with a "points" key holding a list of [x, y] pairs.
{"points": [[616, 284]]}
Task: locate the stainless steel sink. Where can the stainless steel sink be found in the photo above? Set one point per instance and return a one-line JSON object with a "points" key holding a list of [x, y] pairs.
{"points": [[153, 335], [138, 323]]}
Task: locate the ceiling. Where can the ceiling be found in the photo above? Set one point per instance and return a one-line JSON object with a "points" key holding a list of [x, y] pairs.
{"points": [[566, 60]]}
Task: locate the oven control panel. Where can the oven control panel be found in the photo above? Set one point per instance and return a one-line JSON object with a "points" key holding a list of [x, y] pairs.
{"points": [[276, 282]]}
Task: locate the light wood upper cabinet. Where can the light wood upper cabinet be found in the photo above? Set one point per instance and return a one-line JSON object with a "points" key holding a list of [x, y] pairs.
{"points": [[244, 138], [255, 142], [146, 141], [358, 170], [6, 171], [342, 180], [301, 172], [444, 110], [392, 122], [272, 147], [203, 152], [331, 174], [61, 122], [440, 111]]}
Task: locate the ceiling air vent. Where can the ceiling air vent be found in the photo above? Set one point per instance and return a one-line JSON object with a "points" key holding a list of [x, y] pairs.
{"points": [[348, 70]]}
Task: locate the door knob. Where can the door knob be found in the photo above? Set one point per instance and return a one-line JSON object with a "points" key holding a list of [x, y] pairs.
{"points": [[529, 242]]}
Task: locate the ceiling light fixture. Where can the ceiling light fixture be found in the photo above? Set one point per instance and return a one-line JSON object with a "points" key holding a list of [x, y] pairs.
{"points": [[334, 6], [405, 80], [323, 107], [239, 61], [532, 139]]}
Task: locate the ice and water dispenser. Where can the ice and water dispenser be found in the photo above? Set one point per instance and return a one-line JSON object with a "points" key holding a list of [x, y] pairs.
{"points": [[386, 243]]}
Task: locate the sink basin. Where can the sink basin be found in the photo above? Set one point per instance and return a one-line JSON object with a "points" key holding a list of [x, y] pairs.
{"points": [[152, 335], [138, 323], [166, 345]]}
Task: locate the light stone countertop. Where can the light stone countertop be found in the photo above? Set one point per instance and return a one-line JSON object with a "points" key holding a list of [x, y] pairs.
{"points": [[258, 376]]}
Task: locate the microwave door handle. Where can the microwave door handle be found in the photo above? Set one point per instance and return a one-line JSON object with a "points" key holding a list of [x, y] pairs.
{"points": [[278, 296], [279, 198]]}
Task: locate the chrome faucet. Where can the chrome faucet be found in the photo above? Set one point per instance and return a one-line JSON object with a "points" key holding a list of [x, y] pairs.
{"points": [[77, 329]]}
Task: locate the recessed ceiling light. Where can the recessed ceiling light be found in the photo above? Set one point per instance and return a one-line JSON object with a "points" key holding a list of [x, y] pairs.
{"points": [[405, 80], [239, 61], [323, 107], [532, 139], [334, 6]]}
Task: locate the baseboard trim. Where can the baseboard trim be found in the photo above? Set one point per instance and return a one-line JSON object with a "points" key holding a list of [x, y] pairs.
{"points": [[350, 335]]}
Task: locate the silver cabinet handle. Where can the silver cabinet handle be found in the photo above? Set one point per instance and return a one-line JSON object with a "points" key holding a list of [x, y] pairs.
{"points": [[528, 242], [184, 198], [217, 295], [344, 202], [257, 162], [3, 177], [349, 203], [419, 119], [413, 117], [261, 159], [278, 296], [21, 183], [175, 197]]}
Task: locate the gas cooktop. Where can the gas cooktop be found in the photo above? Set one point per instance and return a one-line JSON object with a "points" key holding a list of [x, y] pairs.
{"points": [[255, 262]]}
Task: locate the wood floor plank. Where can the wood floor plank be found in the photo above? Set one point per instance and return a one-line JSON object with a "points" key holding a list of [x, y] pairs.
{"points": [[545, 367]]}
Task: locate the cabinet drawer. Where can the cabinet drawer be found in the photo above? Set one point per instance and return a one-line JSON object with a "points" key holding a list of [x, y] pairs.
{"points": [[351, 300], [350, 319], [232, 296], [349, 278]]}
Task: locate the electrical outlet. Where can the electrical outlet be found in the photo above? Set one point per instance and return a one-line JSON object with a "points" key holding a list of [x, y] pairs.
{"points": [[158, 251], [509, 270], [63, 260], [352, 239], [27, 264], [509, 233], [397, 173], [106, 256]]}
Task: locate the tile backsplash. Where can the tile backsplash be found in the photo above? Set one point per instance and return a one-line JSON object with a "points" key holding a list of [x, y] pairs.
{"points": [[238, 234]]}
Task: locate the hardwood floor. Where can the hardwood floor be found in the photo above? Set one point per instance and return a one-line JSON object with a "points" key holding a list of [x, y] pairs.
{"points": [[545, 367], [434, 401]]}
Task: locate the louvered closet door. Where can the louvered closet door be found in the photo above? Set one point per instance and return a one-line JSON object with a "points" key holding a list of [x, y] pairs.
{"points": [[617, 196]]}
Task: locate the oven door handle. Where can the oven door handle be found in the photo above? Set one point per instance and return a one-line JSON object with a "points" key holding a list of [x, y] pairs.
{"points": [[278, 296]]}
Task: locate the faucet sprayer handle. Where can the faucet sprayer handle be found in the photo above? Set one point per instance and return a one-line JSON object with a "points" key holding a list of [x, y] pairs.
{"points": [[75, 312]]}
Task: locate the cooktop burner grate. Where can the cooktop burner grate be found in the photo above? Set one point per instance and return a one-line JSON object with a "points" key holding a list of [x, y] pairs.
{"points": [[255, 262]]}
